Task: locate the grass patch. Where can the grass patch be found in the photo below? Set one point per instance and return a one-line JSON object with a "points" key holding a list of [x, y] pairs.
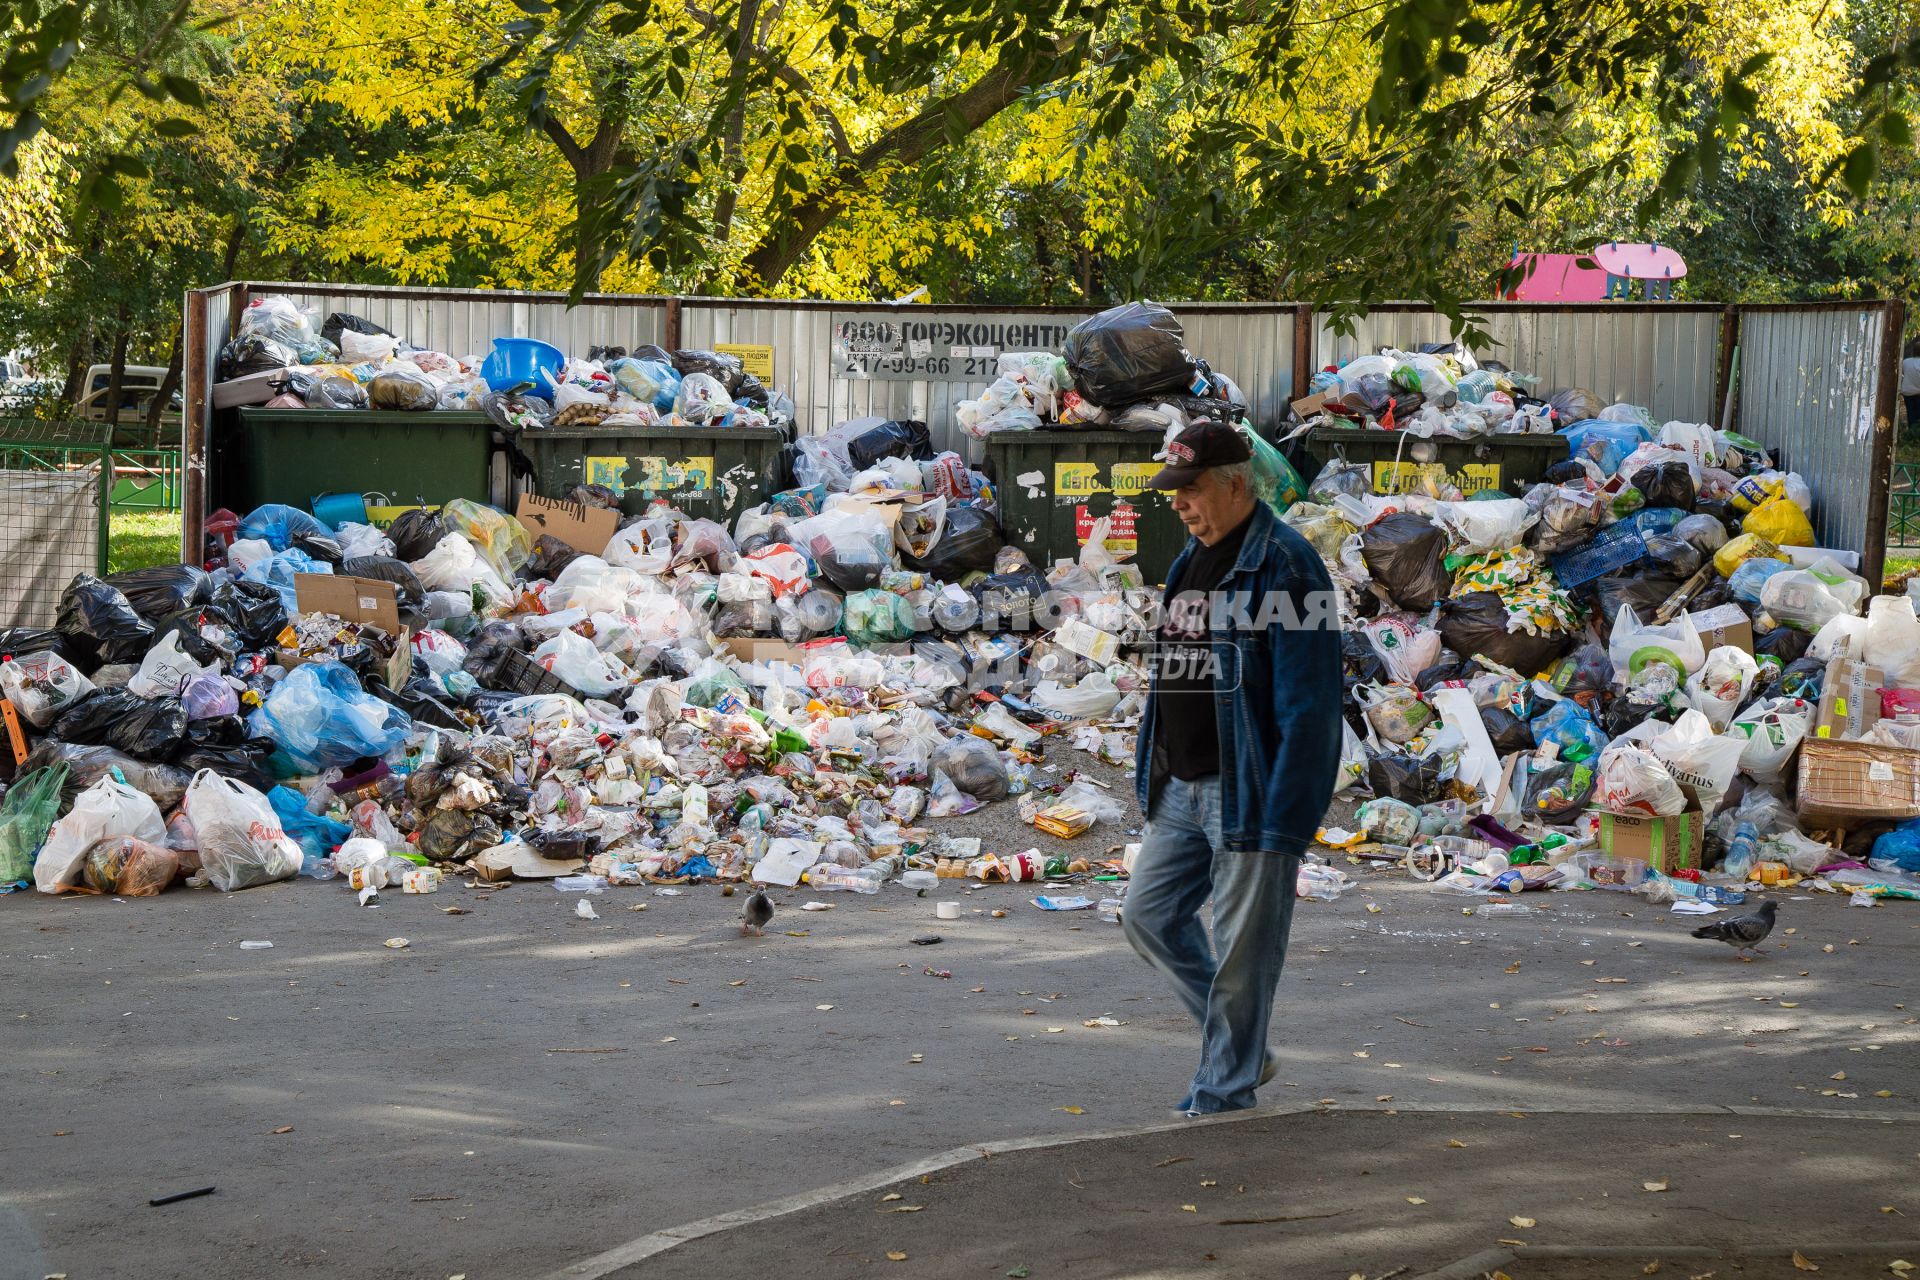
{"points": [[142, 540]]}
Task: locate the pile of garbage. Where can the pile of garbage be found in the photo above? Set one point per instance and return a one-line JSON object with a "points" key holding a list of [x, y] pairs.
{"points": [[789, 699], [1126, 369], [278, 359], [1642, 674]]}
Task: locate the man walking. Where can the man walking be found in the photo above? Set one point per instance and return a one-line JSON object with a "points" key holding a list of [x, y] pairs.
{"points": [[1238, 754]]}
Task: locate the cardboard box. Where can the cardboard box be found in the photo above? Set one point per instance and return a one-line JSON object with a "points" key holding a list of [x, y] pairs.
{"points": [[1843, 784], [1306, 406], [1727, 624], [366, 600], [1666, 844], [252, 388], [752, 649], [586, 529], [1849, 699]]}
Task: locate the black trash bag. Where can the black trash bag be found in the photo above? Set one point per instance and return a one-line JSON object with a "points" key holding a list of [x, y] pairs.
{"points": [[335, 392], [254, 353], [606, 355], [1406, 555], [407, 591], [751, 392], [1802, 678], [1788, 644], [1559, 791], [421, 699], [254, 610], [1565, 471], [17, 642], [853, 565], [100, 622], [191, 627], [1459, 670], [247, 762], [215, 731], [144, 728], [1476, 623], [342, 321], [950, 656], [969, 542], [729, 370], [551, 556], [1584, 675], [1128, 353], [321, 547], [594, 495], [1671, 557], [1509, 732], [890, 440], [1405, 777], [1626, 711], [1723, 512], [1145, 416], [1012, 601], [163, 590], [1645, 594], [417, 532], [488, 649], [1666, 484], [1715, 592]]}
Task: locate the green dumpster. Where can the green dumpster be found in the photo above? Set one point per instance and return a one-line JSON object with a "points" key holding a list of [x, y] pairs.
{"points": [[1054, 484], [291, 455], [710, 472], [1511, 464]]}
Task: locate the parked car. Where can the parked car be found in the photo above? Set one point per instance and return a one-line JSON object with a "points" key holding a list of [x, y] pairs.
{"points": [[139, 384]]}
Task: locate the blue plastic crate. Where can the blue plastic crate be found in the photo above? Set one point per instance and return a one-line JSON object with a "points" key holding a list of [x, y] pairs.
{"points": [[1614, 547]]}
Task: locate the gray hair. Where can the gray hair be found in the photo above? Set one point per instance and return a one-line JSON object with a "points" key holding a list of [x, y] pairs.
{"points": [[1225, 476]]}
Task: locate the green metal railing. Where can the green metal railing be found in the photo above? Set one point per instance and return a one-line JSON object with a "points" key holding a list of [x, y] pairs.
{"points": [[1903, 506], [55, 479], [146, 480]]}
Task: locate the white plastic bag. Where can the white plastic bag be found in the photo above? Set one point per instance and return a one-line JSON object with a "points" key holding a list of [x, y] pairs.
{"points": [[1699, 441], [454, 565], [1722, 684], [359, 540], [165, 671], [104, 811], [1702, 760], [1094, 696], [1893, 640], [356, 347], [1773, 728], [241, 840], [247, 552], [1808, 599], [1493, 525], [573, 658], [42, 685], [1635, 644], [1636, 781]]}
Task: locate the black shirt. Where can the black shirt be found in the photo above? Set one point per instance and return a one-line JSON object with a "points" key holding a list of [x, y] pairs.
{"points": [[1186, 739]]}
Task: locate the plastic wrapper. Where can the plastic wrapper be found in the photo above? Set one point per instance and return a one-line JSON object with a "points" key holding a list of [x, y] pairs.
{"points": [[968, 543], [851, 549], [1701, 760], [727, 370], [654, 382], [1128, 353], [1671, 556], [27, 813], [99, 620], [130, 867], [1340, 478], [1773, 728], [1780, 521], [549, 557], [1750, 579], [278, 525], [1405, 555], [574, 659], [1388, 821], [239, 835], [316, 834], [1721, 685], [42, 685], [1569, 727], [166, 670], [1633, 645], [1396, 712], [255, 353], [319, 715], [1810, 598]]}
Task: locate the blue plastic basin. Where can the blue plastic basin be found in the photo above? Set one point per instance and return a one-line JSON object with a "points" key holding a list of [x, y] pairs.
{"points": [[515, 364]]}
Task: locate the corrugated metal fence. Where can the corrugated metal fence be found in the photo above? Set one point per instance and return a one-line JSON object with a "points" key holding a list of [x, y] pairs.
{"points": [[1813, 382]]}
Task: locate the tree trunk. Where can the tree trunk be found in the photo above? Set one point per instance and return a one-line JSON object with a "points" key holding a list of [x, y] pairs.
{"points": [[78, 360], [168, 385], [117, 376], [731, 162], [1017, 71]]}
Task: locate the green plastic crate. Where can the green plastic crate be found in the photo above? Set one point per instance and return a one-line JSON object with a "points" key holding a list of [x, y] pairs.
{"points": [[1054, 484], [291, 455], [708, 472], [1511, 464]]}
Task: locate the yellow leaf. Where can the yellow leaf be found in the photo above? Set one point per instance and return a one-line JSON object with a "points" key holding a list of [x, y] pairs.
{"points": [[1415, 1200], [1074, 1111], [891, 1195], [1652, 1268], [1800, 1260], [1654, 1186], [1190, 1208], [896, 1256], [1522, 1223], [1455, 1143]]}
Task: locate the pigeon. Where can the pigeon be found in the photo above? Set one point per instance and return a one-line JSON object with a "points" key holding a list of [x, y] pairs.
{"points": [[759, 910], [1742, 933]]}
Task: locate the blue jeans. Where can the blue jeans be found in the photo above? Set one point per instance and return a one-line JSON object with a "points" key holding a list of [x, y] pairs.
{"points": [[1227, 987]]}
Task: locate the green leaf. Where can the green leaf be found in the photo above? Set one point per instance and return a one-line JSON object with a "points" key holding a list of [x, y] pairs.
{"points": [[1860, 168], [1897, 131], [1513, 206], [181, 89], [176, 128]]}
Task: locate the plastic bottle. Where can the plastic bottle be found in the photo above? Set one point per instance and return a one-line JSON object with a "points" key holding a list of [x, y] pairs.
{"points": [[1740, 849], [919, 881], [827, 877], [1494, 909]]}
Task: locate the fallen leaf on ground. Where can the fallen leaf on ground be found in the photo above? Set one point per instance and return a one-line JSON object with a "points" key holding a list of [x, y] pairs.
{"points": [[738, 982], [1074, 1111], [1523, 1223], [1800, 1260], [285, 1128], [906, 1208], [1652, 1268], [823, 1008], [1189, 1208], [891, 1195], [1654, 1186], [896, 1256], [1415, 1200], [1455, 1142], [1838, 1075]]}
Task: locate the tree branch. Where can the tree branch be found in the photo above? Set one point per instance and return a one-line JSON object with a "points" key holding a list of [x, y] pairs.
{"points": [[789, 75], [575, 155]]}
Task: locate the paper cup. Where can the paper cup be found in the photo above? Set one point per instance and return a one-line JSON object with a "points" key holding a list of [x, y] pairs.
{"points": [[946, 910]]}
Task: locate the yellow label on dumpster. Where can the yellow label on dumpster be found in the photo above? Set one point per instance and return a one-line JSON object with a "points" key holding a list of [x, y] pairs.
{"points": [[1130, 478], [1077, 480], [756, 358], [1405, 477], [651, 475]]}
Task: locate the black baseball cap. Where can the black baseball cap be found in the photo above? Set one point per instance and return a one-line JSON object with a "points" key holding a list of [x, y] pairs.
{"points": [[1210, 444]]}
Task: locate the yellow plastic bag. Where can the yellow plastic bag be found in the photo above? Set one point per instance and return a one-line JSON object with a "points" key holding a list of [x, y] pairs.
{"points": [[1737, 551], [1780, 521], [501, 540]]}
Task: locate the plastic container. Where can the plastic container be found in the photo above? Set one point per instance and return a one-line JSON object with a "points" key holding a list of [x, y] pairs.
{"points": [[1608, 871], [828, 877], [516, 364], [919, 880]]}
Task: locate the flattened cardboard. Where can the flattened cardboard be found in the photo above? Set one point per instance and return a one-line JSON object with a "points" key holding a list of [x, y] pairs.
{"points": [[1845, 784], [1307, 406], [1849, 699], [1667, 844], [1727, 624], [349, 599], [885, 503], [518, 859], [586, 529], [749, 649]]}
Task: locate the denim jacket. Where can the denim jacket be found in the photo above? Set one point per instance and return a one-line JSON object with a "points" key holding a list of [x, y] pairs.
{"points": [[1276, 642]]}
